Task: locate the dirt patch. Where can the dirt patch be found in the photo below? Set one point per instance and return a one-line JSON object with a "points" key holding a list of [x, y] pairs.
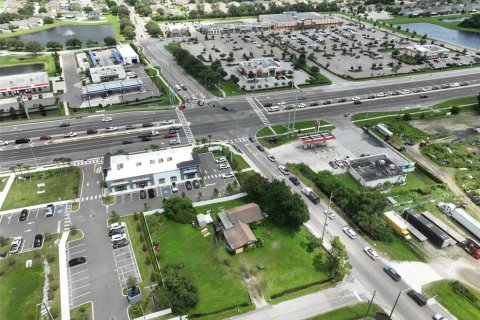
{"points": [[462, 121], [275, 245]]}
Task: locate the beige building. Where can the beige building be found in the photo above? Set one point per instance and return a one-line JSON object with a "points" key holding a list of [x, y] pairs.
{"points": [[292, 20], [260, 68], [429, 51]]}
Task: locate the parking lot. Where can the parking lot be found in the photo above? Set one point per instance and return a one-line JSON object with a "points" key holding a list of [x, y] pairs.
{"points": [[126, 264], [35, 223], [79, 277]]}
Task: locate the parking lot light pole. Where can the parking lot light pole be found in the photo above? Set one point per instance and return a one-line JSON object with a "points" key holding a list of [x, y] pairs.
{"points": [[326, 216]]}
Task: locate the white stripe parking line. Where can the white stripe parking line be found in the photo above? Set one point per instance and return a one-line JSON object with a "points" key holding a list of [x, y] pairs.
{"points": [[81, 287], [81, 295], [79, 279], [74, 274], [118, 261], [76, 252]]}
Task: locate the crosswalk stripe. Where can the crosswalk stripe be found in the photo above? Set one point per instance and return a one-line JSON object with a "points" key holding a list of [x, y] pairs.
{"points": [[258, 111], [186, 127]]}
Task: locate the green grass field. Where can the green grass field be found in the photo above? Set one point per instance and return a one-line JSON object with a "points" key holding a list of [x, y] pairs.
{"points": [[45, 59], [354, 312], [21, 288], [230, 88], [238, 162], [264, 132], [58, 186], [216, 208], [455, 303]]}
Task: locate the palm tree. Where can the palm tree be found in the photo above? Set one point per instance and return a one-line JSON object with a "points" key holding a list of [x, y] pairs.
{"points": [[209, 139], [204, 140], [20, 167], [12, 168], [27, 167]]}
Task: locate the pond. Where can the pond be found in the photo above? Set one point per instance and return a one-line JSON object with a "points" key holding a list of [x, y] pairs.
{"points": [[454, 19], [21, 69], [462, 38], [62, 33]]}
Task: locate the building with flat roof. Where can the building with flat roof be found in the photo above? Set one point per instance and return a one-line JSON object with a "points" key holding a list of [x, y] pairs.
{"points": [[107, 73], [260, 68], [112, 87], [429, 51], [292, 20], [129, 56], [127, 172], [375, 170], [213, 29], [14, 85]]}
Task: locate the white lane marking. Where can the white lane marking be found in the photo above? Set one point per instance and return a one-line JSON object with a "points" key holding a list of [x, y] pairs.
{"points": [[58, 226], [84, 278], [76, 252], [81, 295], [81, 287], [29, 230]]}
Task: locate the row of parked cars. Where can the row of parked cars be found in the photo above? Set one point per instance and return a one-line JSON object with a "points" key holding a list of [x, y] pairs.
{"points": [[117, 234]]}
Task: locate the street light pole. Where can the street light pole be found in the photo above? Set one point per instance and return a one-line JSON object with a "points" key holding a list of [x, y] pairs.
{"points": [[394, 305], [326, 216], [370, 304]]}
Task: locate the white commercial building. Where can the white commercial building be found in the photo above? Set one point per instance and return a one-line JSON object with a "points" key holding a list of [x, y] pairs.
{"points": [[36, 82], [428, 51], [107, 73], [376, 170], [127, 172], [129, 56]]}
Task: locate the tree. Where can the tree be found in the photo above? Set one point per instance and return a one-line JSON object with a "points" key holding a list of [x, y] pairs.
{"points": [[478, 101], [54, 45], [338, 265], [33, 47], [109, 41], [153, 28], [73, 42], [407, 117], [177, 289], [209, 139], [47, 20], [179, 209], [42, 9], [455, 110], [13, 113], [129, 32]]}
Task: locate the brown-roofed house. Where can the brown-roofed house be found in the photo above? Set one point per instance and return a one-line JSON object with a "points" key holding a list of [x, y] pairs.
{"points": [[247, 213], [239, 236]]}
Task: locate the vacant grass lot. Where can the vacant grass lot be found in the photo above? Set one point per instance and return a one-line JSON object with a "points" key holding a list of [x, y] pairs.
{"points": [[282, 263], [457, 155], [455, 303], [21, 288], [468, 180], [45, 59], [350, 313], [60, 184]]}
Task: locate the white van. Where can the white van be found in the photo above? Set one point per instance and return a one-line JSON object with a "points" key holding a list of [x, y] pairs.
{"points": [[273, 109]]}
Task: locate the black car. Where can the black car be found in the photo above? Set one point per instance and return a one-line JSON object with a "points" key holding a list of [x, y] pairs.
{"points": [[294, 180], [113, 232], [357, 102], [76, 261], [252, 139], [260, 148], [302, 98], [313, 104], [145, 134], [37, 241], [64, 124], [143, 194], [371, 97], [120, 243], [147, 125], [423, 96], [225, 108], [23, 215], [346, 114], [392, 273], [342, 100], [151, 193], [129, 127], [22, 140], [268, 104], [146, 138], [92, 131], [417, 297], [196, 184]]}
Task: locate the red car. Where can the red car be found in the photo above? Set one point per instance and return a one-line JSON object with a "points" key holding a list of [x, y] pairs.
{"points": [[43, 138], [169, 135], [128, 141], [182, 106]]}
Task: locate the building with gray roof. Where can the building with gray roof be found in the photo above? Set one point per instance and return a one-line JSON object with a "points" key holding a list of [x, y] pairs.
{"points": [[376, 170], [292, 20]]}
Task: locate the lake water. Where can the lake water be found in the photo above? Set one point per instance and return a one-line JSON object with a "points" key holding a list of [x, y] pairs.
{"points": [[454, 19], [21, 69], [462, 38], [62, 33]]}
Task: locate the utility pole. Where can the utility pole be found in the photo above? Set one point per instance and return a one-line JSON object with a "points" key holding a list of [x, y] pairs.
{"points": [[394, 305], [370, 304], [326, 216], [48, 311]]}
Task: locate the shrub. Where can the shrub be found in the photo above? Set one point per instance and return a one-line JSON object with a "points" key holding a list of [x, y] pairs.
{"points": [[50, 257], [407, 117], [139, 227], [455, 110], [144, 248]]}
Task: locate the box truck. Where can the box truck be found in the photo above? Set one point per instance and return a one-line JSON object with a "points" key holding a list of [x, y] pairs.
{"points": [[397, 223], [311, 195]]}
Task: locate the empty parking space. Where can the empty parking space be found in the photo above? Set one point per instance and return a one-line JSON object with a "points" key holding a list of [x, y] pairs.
{"points": [[79, 278], [126, 264]]}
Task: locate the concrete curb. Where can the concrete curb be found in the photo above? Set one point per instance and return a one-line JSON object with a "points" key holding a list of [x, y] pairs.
{"points": [[62, 261], [4, 193]]}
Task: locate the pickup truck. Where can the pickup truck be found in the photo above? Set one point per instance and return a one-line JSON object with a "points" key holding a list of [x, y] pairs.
{"points": [[311, 195]]}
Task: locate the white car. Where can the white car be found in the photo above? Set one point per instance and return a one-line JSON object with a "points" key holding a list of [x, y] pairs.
{"points": [[223, 166], [272, 158], [70, 134], [371, 253], [281, 103], [117, 237], [454, 85], [301, 105], [284, 170], [117, 225], [406, 91], [107, 119], [330, 214], [111, 129], [3, 143], [356, 99], [352, 234], [16, 245], [168, 122], [381, 95], [228, 175], [155, 133], [427, 89], [194, 97], [220, 160]]}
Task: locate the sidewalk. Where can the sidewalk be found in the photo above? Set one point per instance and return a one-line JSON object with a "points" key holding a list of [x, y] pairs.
{"points": [[62, 263], [3, 194]]}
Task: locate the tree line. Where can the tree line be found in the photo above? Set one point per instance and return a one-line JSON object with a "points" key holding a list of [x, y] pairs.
{"points": [[472, 22], [36, 47], [364, 205], [127, 28]]}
